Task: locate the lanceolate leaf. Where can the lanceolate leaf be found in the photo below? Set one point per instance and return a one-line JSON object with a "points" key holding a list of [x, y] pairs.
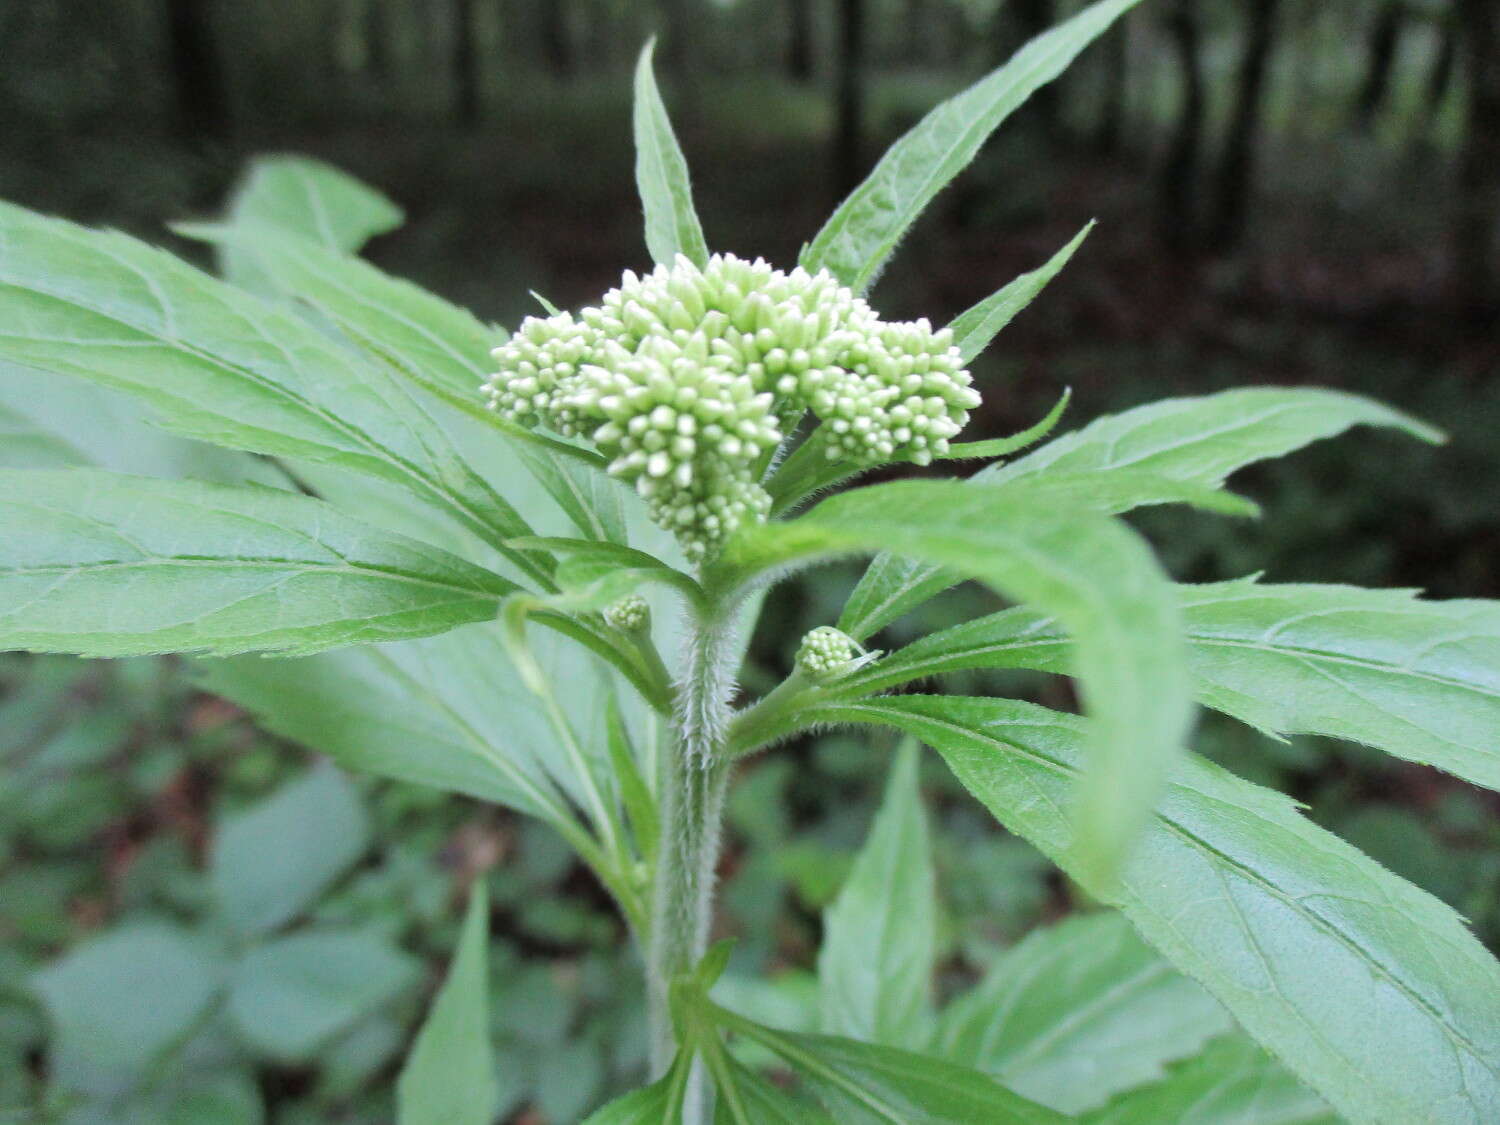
{"points": [[1374, 992], [1078, 1012], [855, 243], [866, 1084], [449, 1077], [449, 712], [880, 935], [1185, 443], [745, 1098], [1234, 1080], [661, 176], [106, 565], [220, 365], [1091, 571], [1418, 679], [974, 328]]}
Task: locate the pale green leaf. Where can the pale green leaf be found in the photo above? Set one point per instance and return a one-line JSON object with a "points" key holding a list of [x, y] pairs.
{"points": [[289, 997], [119, 1002], [1373, 991], [661, 176], [440, 347], [856, 241], [880, 935], [745, 1098], [1418, 679], [105, 565], [448, 712], [1091, 571], [222, 366], [1078, 1012], [272, 860], [449, 1076], [974, 328], [1174, 450], [1233, 1082], [308, 199]]}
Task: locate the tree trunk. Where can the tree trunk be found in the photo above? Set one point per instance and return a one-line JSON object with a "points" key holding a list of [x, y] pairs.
{"points": [[202, 99], [1031, 18], [799, 43], [1237, 167], [1110, 133], [468, 99], [1384, 38], [557, 43], [1478, 213], [849, 126], [1440, 77], [1177, 217]]}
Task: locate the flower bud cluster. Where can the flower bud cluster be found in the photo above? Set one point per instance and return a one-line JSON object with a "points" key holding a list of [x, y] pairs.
{"points": [[824, 651], [687, 379], [632, 614]]}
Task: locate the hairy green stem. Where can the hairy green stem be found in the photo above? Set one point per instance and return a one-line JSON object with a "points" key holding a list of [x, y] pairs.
{"points": [[694, 776]]}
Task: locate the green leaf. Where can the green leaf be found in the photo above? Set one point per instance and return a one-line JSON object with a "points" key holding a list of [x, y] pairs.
{"points": [[1174, 450], [308, 199], [1418, 679], [589, 561], [120, 1002], [855, 243], [661, 176], [880, 934], [106, 565], [448, 1078], [650, 1105], [448, 712], [313, 200], [289, 997], [867, 1084], [272, 861], [635, 793], [745, 1098], [1078, 1012], [222, 366], [1003, 447], [440, 347], [974, 328], [1233, 1080], [1092, 572], [1374, 992]]}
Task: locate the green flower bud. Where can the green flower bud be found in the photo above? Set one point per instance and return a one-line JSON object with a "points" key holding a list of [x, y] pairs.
{"points": [[631, 614], [685, 377], [824, 652]]}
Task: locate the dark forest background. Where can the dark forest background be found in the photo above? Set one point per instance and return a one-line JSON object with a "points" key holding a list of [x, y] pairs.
{"points": [[1289, 192]]}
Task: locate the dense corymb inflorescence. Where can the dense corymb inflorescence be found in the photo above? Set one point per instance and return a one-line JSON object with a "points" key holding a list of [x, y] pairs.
{"points": [[687, 379]]}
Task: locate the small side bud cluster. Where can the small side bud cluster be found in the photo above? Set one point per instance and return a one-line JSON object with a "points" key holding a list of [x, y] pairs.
{"points": [[631, 614], [688, 378], [825, 651]]}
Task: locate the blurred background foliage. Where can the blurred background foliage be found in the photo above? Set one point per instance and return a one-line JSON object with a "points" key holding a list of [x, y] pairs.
{"points": [[199, 923]]}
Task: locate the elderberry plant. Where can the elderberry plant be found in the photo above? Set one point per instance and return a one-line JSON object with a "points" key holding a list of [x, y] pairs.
{"points": [[442, 523]]}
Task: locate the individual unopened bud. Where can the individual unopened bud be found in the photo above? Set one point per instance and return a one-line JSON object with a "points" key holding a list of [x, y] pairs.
{"points": [[685, 377], [825, 651], [631, 614]]}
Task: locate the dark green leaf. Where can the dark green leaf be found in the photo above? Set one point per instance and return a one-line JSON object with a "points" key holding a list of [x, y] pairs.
{"points": [[449, 1076], [1374, 992], [880, 935], [106, 565]]}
